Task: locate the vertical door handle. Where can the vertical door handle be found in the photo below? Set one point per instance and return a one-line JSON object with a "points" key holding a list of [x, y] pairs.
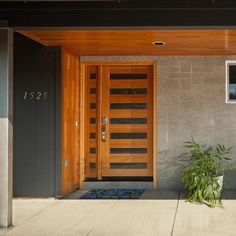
{"points": [[104, 133]]}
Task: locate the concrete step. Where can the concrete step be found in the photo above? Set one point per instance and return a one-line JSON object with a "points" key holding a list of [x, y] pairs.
{"points": [[117, 185]]}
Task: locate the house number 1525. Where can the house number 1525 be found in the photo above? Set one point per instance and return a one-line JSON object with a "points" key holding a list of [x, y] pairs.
{"points": [[35, 95]]}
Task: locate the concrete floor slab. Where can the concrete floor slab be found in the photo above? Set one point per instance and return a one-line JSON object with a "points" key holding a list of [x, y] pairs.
{"points": [[135, 217], [144, 217], [64, 218], [3, 231], [200, 220], [24, 209]]}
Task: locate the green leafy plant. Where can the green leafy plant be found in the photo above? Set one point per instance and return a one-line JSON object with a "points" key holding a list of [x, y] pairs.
{"points": [[201, 177]]}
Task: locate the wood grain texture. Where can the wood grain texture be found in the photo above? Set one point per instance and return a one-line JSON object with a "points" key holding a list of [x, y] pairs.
{"points": [[90, 128], [128, 113], [107, 111], [155, 125], [103, 100], [139, 42], [70, 121], [122, 128], [82, 125]]}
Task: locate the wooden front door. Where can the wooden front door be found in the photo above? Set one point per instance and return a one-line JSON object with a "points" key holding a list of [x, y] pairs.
{"points": [[119, 130]]}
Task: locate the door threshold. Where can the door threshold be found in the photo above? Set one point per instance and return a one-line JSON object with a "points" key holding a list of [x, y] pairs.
{"points": [[121, 179], [117, 184]]}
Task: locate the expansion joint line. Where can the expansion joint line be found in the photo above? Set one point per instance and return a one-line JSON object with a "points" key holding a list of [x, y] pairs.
{"points": [[176, 211]]}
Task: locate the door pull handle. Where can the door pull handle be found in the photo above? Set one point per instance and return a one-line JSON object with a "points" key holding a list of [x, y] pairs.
{"points": [[104, 133]]}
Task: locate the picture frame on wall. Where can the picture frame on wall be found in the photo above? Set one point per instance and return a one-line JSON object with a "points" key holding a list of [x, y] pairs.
{"points": [[230, 81]]}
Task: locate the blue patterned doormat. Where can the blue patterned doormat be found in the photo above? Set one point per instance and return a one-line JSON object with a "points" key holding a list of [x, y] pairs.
{"points": [[113, 194]]}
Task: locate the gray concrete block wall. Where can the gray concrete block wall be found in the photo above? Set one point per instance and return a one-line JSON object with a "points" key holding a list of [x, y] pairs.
{"points": [[191, 102]]}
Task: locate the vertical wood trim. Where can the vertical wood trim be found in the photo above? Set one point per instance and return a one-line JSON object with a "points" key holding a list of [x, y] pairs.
{"points": [[88, 142], [77, 127], [150, 111], [155, 125], [59, 130], [85, 105], [105, 110], [82, 124], [70, 114], [63, 175], [99, 112]]}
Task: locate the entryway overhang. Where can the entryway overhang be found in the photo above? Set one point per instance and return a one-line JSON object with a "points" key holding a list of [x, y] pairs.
{"points": [[138, 41]]}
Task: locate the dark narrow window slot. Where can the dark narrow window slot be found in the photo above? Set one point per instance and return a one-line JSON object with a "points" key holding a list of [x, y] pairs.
{"points": [[128, 165], [128, 105], [128, 150], [92, 150], [128, 120], [92, 105], [92, 135], [128, 91], [92, 120], [92, 90], [92, 165], [115, 76], [128, 135], [93, 76]]}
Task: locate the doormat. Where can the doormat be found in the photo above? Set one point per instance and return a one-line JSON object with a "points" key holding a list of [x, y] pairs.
{"points": [[113, 194]]}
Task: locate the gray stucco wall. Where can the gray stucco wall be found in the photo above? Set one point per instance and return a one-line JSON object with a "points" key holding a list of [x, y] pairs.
{"points": [[191, 102]]}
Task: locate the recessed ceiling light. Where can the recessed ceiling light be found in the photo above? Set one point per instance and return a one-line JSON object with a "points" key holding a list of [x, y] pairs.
{"points": [[159, 43]]}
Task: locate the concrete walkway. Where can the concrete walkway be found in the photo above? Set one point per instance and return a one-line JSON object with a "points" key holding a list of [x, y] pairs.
{"points": [[159, 217]]}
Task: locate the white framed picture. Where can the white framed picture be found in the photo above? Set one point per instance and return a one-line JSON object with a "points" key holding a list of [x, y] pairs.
{"points": [[230, 81]]}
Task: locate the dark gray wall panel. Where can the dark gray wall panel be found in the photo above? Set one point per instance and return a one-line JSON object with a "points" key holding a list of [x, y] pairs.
{"points": [[35, 70]]}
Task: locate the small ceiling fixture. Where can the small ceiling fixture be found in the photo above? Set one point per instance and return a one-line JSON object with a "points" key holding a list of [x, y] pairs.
{"points": [[159, 43]]}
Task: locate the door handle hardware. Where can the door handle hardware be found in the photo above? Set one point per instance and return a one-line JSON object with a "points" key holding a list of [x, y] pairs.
{"points": [[104, 119], [104, 133], [65, 163]]}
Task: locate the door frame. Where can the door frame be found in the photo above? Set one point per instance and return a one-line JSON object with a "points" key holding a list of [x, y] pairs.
{"points": [[83, 64]]}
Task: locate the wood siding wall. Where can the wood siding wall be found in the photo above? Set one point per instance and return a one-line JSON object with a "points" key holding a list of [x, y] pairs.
{"points": [[70, 121]]}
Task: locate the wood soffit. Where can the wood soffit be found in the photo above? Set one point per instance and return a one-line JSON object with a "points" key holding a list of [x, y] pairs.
{"points": [[139, 42]]}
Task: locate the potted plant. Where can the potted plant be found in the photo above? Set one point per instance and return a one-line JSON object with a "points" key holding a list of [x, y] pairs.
{"points": [[203, 178]]}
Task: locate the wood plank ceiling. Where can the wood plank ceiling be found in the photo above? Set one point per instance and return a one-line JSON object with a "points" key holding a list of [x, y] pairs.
{"points": [[139, 42]]}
